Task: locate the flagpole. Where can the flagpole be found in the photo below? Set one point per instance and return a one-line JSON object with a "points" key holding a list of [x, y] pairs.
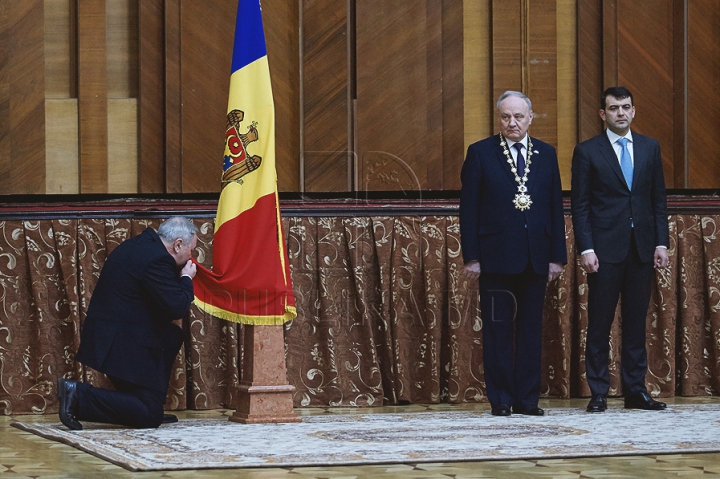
{"points": [[250, 279]]}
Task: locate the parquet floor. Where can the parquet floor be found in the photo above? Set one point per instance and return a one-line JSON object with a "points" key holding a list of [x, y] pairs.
{"points": [[23, 455]]}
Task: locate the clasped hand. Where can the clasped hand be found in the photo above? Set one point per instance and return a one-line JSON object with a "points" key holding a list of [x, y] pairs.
{"points": [[190, 269]]}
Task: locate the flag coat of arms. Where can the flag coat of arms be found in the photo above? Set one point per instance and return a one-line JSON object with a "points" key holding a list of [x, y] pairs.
{"points": [[250, 278]]}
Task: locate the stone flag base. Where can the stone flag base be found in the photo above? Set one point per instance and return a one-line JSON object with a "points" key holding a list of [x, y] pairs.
{"points": [[261, 404], [264, 395]]}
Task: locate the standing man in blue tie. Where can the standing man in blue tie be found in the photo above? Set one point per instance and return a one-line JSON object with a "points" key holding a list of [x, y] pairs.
{"points": [[619, 213], [513, 239]]}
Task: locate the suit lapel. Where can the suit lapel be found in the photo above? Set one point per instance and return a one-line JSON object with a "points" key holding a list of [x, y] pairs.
{"points": [[607, 152], [639, 157], [535, 164]]}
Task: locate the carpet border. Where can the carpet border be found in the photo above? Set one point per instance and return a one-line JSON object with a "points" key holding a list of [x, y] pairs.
{"points": [[64, 438], [50, 431]]}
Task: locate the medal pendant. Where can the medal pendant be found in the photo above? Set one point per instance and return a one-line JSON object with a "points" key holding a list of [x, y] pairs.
{"points": [[522, 201]]}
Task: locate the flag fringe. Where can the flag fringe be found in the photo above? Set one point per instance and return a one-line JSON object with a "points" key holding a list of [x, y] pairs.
{"points": [[250, 320]]}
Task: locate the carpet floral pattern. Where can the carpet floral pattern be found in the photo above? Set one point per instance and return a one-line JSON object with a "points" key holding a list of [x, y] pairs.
{"points": [[335, 439]]}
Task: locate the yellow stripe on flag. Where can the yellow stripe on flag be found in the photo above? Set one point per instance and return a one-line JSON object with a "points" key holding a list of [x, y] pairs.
{"points": [[257, 104]]}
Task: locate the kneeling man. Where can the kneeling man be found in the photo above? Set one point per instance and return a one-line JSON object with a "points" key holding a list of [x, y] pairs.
{"points": [[128, 334]]}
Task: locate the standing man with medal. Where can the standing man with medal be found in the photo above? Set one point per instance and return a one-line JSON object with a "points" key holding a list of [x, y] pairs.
{"points": [[513, 240]]}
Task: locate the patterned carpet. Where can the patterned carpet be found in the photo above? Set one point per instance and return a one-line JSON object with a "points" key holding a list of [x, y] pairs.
{"points": [[337, 439]]}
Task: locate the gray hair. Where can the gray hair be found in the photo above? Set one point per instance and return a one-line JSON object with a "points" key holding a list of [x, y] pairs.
{"points": [[177, 227], [514, 93]]}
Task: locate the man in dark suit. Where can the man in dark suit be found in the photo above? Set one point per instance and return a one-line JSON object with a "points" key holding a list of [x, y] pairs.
{"points": [[128, 333], [619, 214], [513, 239]]}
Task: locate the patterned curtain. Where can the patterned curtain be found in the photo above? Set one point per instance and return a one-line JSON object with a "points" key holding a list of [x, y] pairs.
{"points": [[383, 315]]}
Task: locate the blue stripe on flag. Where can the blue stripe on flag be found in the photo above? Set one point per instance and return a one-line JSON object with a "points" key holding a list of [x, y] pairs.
{"points": [[249, 35]]}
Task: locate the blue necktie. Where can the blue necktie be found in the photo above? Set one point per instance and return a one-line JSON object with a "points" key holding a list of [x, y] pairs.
{"points": [[626, 162], [520, 159]]}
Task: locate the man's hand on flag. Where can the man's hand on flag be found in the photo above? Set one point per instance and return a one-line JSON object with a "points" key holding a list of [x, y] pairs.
{"points": [[189, 269]]}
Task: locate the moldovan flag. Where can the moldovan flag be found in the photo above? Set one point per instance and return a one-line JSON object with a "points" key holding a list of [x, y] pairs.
{"points": [[250, 278]]}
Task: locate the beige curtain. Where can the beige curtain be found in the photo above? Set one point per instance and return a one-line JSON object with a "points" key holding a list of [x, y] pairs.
{"points": [[383, 315]]}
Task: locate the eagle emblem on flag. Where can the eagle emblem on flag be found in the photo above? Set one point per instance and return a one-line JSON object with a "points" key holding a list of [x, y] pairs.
{"points": [[237, 162]]}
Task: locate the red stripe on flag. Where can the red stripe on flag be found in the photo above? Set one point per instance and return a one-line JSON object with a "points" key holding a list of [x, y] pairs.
{"points": [[247, 276]]}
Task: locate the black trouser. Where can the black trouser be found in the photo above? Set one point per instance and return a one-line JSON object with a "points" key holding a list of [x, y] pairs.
{"points": [[129, 405], [511, 307], [631, 281]]}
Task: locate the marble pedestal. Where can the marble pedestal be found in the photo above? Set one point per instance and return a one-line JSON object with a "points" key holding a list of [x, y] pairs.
{"points": [[264, 394]]}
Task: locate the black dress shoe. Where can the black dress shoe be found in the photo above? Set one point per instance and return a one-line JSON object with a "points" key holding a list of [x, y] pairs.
{"points": [[598, 403], [169, 418], [501, 410], [529, 411], [68, 396], [642, 400]]}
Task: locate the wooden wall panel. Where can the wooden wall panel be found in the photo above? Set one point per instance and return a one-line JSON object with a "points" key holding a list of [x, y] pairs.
{"points": [[452, 100], [173, 172], [92, 93], [589, 67], [123, 65], [122, 145], [280, 19], [206, 57], [61, 147], [151, 97], [680, 104], [22, 97], [60, 49], [645, 66], [478, 109], [507, 50], [567, 87], [122, 48], [434, 164], [396, 148], [62, 161], [610, 42], [369, 94], [704, 94], [327, 158], [540, 65], [5, 75]]}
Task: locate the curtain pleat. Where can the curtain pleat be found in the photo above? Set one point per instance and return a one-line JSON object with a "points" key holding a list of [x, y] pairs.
{"points": [[384, 315]]}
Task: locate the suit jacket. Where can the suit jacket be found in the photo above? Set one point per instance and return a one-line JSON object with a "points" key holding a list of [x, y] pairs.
{"points": [[494, 232], [128, 329], [605, 211]]}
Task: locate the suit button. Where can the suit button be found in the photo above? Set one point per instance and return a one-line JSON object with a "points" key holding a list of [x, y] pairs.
{"points": [[525, 226]]}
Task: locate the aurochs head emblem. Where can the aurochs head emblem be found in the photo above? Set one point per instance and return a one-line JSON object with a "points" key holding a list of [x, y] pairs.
{"points": [[237, 161]]}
